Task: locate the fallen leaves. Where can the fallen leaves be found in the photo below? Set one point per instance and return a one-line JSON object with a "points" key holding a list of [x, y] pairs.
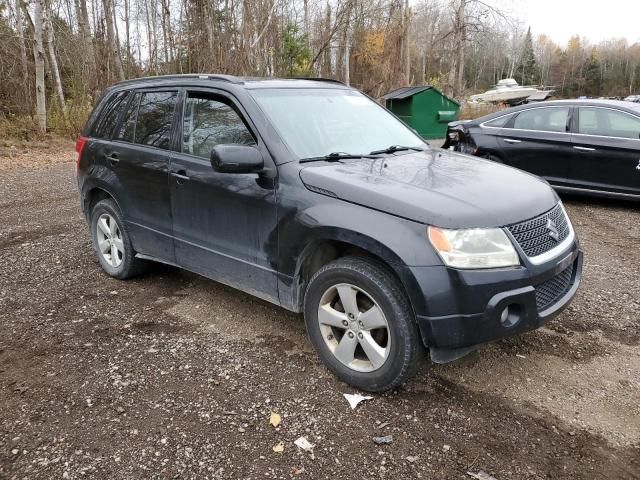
{"points": [[275, 419]]}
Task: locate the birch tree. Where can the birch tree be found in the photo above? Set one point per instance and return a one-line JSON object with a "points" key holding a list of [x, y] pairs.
{"points": [[23, 49], [53, 64], [38, 54]]}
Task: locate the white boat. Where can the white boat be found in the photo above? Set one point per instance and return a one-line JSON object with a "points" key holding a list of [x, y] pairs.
{"points": [[508, 91]]}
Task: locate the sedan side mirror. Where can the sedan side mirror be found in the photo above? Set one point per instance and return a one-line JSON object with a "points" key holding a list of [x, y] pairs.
{"points": [[236, 159]]}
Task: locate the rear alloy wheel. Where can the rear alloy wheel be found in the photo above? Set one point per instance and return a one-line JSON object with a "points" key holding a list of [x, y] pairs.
{"points": [[112, 243], [361, 324], [110, 240]]}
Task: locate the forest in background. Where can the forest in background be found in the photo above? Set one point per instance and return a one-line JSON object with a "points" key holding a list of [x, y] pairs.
{"points": [[56, 56]]}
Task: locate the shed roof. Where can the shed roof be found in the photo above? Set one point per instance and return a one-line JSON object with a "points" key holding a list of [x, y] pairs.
{"points": [[406, 92]]}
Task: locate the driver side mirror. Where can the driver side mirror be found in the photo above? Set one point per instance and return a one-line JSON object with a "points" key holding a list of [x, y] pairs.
{"points": [[236, 159]]}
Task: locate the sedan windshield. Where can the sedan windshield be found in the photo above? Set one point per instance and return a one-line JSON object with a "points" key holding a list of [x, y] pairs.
{"points": [[319, 122]]}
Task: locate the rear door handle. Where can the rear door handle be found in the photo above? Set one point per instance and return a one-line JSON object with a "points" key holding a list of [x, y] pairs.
{"points": [[512, 140], [180, 176], [112, 157], [585, 149]]}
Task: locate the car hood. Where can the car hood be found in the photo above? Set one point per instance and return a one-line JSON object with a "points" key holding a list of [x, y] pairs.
{"points": [[436, 187]]}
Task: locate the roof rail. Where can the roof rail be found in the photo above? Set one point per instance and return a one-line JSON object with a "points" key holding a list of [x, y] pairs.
{"points": [[207, 76], [319, 79]]}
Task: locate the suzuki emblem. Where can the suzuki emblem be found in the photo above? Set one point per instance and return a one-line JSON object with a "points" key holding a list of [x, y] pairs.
{"points": [[553, 231]]}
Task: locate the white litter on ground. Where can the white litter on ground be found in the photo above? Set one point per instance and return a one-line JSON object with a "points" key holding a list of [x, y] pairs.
{"points": [[355, 398]]}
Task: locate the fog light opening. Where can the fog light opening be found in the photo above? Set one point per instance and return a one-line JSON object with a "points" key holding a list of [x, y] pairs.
{"points": [[510, 315]]}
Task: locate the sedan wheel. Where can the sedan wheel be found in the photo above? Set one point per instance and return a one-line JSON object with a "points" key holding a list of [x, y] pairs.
{"points": [[354, 327]]}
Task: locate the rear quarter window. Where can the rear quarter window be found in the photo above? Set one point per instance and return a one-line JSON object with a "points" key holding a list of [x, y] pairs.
{"points": [[498, 122], [108, 116]]}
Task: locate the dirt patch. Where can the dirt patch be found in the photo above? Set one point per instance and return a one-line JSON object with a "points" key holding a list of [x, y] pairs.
{"points": [[172, 375], [30, 155]]}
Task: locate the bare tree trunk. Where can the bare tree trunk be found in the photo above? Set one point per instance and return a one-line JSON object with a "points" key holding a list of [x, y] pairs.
{"points": [[456, 73], [38, 54], [166, 25], [127, 32], [347, 53], [82, 17], [23, 51], [153, 65], [325, 68], [307, 31], [112, 40], [165, 42], [266, 25], [460, 79], [407, 53], [116, 36], [53, 65]]}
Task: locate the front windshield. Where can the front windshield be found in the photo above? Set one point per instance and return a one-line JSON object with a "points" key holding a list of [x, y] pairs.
{"points": [[317, 122]]}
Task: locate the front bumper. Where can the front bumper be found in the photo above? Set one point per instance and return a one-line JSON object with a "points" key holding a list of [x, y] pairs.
{"points": [[465, 308]]}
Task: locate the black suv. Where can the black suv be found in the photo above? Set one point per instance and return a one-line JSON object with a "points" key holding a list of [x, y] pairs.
{"points": [[310, 195]]}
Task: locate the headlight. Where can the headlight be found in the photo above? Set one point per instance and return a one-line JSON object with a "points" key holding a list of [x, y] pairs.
{"points": [[474, 248]]}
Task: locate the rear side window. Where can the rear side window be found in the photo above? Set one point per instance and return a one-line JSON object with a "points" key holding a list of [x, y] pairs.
{"points": [[128, 126], [109, 114], [552, 119], [209, 122], [153, 124], [608, 123]]}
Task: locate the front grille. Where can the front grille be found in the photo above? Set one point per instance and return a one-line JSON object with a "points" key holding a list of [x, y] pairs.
{"points": [[549, 292], [534, 236]]}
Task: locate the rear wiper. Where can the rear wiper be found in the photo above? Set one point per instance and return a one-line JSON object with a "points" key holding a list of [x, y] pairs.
{"points": [[395, 148], [335, 157]]}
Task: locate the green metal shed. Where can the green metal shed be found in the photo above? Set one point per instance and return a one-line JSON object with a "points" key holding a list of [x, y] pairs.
{"points": [[425, 109]]}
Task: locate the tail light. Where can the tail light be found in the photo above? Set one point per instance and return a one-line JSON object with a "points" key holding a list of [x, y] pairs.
{"points": [[81, 142]]}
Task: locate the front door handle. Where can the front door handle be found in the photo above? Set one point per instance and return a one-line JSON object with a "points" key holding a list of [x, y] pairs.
{"points": [[585, 149], [180, 176], [511, 140]]}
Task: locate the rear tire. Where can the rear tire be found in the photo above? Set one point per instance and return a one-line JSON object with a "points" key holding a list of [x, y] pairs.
{"points": [[112, 242], [372, 342]]}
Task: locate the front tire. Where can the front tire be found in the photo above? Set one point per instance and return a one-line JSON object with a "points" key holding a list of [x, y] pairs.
{"points": [[360, 322], [112, 242]]}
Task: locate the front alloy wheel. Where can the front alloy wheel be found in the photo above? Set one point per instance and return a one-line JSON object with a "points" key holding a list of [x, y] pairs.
{"points": [[360, 322], [354, 327]]}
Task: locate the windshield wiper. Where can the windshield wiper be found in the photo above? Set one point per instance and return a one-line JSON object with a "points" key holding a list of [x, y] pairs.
{"points": [[395, 148], [335, 157]]}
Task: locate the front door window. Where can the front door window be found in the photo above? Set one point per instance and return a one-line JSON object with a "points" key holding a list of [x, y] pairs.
{"points": [[209, 122]]}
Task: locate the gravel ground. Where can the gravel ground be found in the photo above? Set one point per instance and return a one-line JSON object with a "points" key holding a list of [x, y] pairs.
{"points": [[172, 375]]}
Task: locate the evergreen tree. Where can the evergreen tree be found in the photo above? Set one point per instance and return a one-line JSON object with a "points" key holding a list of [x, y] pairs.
{"points": [[527, 71], [593, 76], [295, 55]]}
